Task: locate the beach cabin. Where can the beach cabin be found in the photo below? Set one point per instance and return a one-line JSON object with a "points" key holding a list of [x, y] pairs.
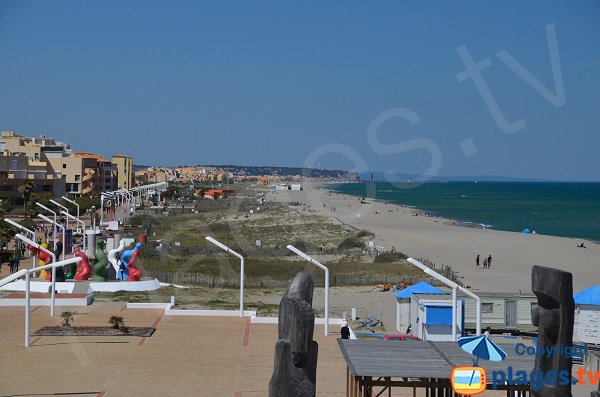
{"points": [[502, 311], [403, 302], [296, 187], [431, 317], [587, 316]]}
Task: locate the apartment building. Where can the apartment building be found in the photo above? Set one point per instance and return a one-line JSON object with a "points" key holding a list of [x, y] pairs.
{"points": [[85, 173], [16, 169], [155, 175], [124, 169], [34, 149]]}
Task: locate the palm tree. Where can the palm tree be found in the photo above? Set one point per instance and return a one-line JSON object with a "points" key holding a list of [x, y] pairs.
{"points": [[67, 318], [26, 190], [116, 321]]}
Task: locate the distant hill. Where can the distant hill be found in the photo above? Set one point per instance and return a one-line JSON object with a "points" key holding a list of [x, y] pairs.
{"points": [[285, 171], [268, 170]]}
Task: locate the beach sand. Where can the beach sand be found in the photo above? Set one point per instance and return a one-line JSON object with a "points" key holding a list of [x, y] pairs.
{"points": [[439, 241]]}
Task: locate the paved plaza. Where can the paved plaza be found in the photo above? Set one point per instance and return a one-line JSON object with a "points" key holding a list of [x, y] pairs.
{"points": [[186, 356]]}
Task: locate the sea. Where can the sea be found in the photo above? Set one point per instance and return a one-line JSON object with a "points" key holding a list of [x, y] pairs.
{"points": [[567, 209]]}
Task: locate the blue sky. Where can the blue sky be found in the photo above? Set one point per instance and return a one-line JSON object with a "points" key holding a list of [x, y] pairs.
{"points": [[276, 83]]}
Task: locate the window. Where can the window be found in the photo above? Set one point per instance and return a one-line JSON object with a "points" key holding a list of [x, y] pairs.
{"points": [[487, 307], [77, 178], [64, 166]]}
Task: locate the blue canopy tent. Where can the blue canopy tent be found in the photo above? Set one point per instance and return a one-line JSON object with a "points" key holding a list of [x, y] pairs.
{"points": [[403, 302], [419, 288], [590, 296]]}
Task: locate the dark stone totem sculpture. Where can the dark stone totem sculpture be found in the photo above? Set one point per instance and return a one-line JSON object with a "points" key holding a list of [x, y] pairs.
{"points": [[295, 370], [554, 316]]}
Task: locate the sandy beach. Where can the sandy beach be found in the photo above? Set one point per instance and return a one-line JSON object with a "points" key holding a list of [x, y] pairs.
{"points": [[439, 241]]}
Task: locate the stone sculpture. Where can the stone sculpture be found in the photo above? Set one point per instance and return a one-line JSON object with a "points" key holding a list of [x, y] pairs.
{"points": [[554, 316], [295, 369]]}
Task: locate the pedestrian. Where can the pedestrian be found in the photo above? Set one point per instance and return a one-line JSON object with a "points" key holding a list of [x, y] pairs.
{"points": [[477, 261], [489, 261], [345, 331], [16, 263], [485, 264], [487, 332]]}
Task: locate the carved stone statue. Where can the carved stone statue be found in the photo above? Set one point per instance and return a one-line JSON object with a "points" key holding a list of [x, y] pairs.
{"points": [[295, 370], [554, 316]]}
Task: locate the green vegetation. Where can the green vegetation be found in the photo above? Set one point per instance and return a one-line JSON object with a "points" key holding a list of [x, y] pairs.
{"points": [[67, 318], [388, 257]]}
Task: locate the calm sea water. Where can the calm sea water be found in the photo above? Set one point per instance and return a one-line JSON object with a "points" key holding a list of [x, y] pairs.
{"points": [[559, 209]]}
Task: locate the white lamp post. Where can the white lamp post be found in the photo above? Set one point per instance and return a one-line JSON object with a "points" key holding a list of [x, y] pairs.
{"points": [[229, 250], [54, 226], [24, 229], [454, 287], [38, 246], [314, 262], [64, 234], [64, 208], [78, 221], [74, 203]]}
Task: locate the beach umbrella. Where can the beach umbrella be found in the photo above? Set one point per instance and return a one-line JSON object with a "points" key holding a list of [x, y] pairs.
{"points": [[526, 230], [481, 347]]}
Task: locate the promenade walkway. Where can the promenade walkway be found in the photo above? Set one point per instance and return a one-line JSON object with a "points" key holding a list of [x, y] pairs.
{"points": [[186, 356]]}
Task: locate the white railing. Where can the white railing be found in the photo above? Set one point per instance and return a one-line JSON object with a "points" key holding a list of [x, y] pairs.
{"points": [[27, 273]]}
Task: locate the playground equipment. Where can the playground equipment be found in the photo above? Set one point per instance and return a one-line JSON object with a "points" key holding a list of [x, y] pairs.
{"points": [[43, 259], [128, 259], [83, 267], [102, 262], [113, 257]]}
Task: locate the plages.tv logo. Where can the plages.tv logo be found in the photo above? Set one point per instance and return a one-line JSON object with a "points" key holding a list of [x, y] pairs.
{"points": [[468, 381]]}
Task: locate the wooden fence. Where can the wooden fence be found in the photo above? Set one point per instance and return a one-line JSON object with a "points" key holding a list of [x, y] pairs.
{"points": [[209, 281]]}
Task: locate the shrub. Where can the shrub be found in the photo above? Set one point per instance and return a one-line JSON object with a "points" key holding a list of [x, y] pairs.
{"points": [[388, 257], [351, 242], [365, 233], [149, 252]]}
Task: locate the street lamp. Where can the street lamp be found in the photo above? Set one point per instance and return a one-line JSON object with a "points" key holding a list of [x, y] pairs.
{"points": [[314, 262], [24, 229], [74, 203], [227, 249], [64, 208], [53, 227], [63, 234], [454, 287], [79, 221]]}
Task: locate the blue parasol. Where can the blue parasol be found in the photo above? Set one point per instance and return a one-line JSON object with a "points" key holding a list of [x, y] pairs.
{"points": [[481, 347]]}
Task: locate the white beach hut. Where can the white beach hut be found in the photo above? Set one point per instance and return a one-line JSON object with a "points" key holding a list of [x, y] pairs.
{"points": [[403, 303], [587, 316]]}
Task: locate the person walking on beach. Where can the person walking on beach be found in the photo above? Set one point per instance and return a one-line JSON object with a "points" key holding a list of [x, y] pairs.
{"points": [[345, 331], [477, 261], [485, 264], [489, 261]]}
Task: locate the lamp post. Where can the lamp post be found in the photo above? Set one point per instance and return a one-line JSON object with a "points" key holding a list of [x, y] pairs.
{"points": [[53, 227], [63, 235], [78, 221], [314, 262], [64, 208], [229, 250], [74, 203], [38, 246], [454, 287], [93, 212], [24, 229]]}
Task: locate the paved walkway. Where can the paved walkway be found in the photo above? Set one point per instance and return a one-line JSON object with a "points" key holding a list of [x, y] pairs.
{"points": [[186, 356]]}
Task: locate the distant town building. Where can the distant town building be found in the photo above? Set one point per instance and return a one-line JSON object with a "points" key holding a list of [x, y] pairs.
{"points": [[125, 175]]}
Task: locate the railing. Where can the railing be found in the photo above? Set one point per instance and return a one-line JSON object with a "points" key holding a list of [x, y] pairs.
{"points": [[26, 273]]}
